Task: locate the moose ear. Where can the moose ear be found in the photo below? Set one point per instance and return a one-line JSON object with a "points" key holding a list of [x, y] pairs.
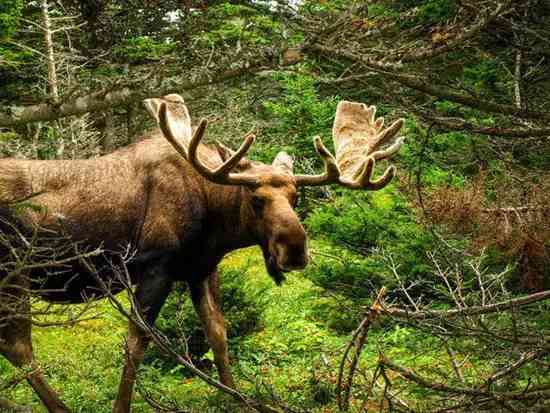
{"points": [[224, 152], [153, 105], [181, 121], [284, 161]]}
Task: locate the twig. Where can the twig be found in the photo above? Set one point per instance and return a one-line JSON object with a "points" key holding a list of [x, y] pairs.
{"points": [[358, 341]]}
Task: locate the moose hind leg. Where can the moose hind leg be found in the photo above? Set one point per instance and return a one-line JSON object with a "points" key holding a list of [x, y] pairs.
{"points": [[16, 346], [205, 298]]}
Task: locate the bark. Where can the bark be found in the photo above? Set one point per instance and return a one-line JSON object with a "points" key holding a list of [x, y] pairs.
{"points": [[103, 100], [517, 80], [469, 311], [108, 138], [50, 57]]}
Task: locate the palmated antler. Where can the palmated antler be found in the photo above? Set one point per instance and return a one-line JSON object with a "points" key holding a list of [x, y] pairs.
{"points": [[220, 174], [358, 137]]}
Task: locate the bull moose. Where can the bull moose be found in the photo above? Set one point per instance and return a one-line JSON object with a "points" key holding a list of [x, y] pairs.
{"points": [[182, 206]]}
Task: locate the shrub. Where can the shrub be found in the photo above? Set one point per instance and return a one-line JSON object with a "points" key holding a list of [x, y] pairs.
{"points": [[362, 229], [436, 11], [301, 114], [10, 12]]}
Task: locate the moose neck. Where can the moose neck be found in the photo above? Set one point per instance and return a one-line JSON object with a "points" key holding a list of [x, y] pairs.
{"points": [[228, 217]]}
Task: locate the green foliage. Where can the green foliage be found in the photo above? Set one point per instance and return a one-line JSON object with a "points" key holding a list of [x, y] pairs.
{"points": [[428, 12], [7, 136], [11, 56], [533, 159], [301, 114], [239, 24], [10, 12], [381, 10], [242, 305], [365, 230], [14, 58], [442, 158], [483, 76], [436, 11], [141, 49]]}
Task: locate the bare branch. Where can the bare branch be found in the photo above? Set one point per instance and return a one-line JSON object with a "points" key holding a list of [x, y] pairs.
{"points": [[459, 40], [462, 125], [102, 100], [469, 311], [426, 86], [358, 341]]}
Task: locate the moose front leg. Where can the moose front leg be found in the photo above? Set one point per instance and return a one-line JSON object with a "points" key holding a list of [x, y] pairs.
{"points": [[151, 293], [206, 299]]}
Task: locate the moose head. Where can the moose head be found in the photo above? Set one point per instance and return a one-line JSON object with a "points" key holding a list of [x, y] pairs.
{"points": [[270, 194]]}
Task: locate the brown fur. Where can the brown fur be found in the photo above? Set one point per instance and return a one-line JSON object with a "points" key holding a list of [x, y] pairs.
{"points": [[179, 223]]}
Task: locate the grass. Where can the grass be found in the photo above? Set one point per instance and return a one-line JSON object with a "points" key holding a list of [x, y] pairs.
{"points": [[83, 362], [295, 355]]}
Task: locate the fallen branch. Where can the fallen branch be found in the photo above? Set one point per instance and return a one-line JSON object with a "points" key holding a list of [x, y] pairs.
{"points": [[537, 392]]}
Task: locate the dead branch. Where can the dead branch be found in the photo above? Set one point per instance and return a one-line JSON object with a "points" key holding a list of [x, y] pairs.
{"points": [[426, 86], [131, 93], [468, 311], [357, 341], [535, 392], [458, 40], [462, 125], [50, 59]]}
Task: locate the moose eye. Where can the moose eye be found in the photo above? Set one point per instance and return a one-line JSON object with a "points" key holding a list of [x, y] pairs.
{"points": [[258, 203]]}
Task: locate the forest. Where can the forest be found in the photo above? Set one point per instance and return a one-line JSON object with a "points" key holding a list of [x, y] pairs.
{"points": [[284, 206]]}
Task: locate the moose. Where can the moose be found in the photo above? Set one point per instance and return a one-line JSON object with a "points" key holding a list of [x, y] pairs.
{"points": [[181, 205]]}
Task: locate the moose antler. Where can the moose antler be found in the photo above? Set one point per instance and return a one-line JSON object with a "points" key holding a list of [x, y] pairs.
{"points": [[358, 137], [221, 174]]}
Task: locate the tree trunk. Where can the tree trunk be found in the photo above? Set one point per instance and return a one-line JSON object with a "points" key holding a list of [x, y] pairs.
{"points": [[108, 139], [50, 57]]}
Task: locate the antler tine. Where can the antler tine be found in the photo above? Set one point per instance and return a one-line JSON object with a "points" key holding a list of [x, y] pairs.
{"points": [[390, 151], [331, 174], [387, 134], [363, 179], [221, 174], [357, 136]]}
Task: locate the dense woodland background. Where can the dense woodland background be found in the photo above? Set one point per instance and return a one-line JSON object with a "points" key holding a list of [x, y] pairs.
{"points": [[458, 240]]}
